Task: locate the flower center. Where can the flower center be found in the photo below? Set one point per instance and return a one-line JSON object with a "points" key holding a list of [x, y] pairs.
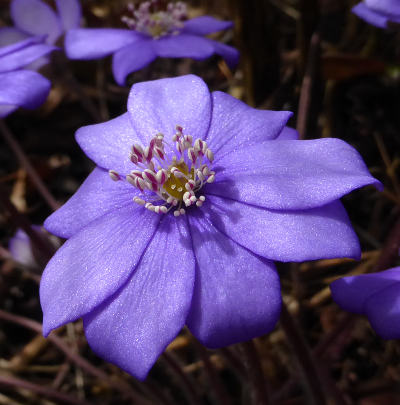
{"points": [[173, 174], [156, 17]]}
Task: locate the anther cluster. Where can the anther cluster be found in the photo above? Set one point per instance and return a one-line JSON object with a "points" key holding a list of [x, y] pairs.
{"points": [[156, 17], [174, 173]]}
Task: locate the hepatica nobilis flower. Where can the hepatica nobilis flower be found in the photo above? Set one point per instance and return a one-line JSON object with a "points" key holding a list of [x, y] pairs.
{"points": [[378, 12], [376, 295], [35, 17], [193, 197], [20, 87], [155, 29]]}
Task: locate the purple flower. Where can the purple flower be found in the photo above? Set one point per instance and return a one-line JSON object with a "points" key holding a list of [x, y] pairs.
{"points": [[378, 12], [376, 295], [153, 32], [35, 17], [22, 250], [207, 192], [18, 87]]}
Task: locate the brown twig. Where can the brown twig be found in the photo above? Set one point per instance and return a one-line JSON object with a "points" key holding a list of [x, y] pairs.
{"points": [[258, 383], [41, 390], [305, 359], [75, 357], [23, 159]]}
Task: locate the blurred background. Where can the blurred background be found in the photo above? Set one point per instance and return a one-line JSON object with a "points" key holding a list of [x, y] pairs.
{"points": [[341, 78]]}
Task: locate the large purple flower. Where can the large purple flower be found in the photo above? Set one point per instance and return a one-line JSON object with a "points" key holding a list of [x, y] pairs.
{"points": [[35, 17], [376, 295], [207, 192], [378, 12], [153, 32], [18, 87]]}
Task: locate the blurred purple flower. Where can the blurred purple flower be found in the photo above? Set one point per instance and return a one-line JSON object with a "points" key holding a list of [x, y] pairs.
{"points": [[35, 17], [153, 32], [18, 87], [378, 12], [23, 252], [137, 271], [376, 295]]}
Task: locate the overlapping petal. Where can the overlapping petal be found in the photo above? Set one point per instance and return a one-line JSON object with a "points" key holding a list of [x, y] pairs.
{"points": [[291, 174], [286, 236], [22, 88], [160, 105], [133, 327], [235, 125], [228, 53], [131, 58], [352, 293], [236, 295], [109, 144], [94, 263], [98, 195], [389, 7], [37, 18], [376, 295], [11, 35], [370, 16], [183, 46], [93, 43], [24, 56], [205, 25], [70, 13]]}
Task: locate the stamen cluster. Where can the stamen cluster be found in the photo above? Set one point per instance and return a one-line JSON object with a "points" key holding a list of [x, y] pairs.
{"points": [[174, 173], [156, 17]]}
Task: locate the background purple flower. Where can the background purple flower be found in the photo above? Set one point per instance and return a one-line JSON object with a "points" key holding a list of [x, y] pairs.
{"points": [[18, 87], [136, 277], [35, 17], [376, 295], [378, 12], [135, 48]]}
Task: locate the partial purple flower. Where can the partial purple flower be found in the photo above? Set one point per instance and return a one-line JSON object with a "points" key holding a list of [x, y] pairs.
{"points": [[22, 250], [193, 198], [378, 12], [155, 29], [35, 17], [19, 87], [376, 295]]}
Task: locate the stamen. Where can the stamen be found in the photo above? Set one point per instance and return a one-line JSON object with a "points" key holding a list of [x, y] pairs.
{"points": [[174, 184], [156, 17]]}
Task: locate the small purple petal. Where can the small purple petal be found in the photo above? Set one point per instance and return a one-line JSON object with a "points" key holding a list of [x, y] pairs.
{"points": [[228, 53], [70, 13], [235, 125], [11, 35], [97, 196], [21, 249], [291, 174], [94, 264], [131, 58], [25, 56], [205, 25], [22, 88], [388, 7], [109, 144], [236, 296], [94, 43], [288, 134], [352, 293], [383, 311], [287, 236], [37, 18], [370, 16], [20, 45], [160, 105], [183, 46], [132, 328]]}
